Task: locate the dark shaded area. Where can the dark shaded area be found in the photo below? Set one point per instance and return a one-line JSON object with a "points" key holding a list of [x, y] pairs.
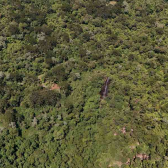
{"points": [[104, 90]]}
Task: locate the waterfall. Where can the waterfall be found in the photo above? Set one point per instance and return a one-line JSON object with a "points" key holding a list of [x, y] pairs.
{"points": [[104, 89]]}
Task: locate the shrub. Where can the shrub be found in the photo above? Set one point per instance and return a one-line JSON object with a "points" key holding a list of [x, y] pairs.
{"points": [[9, 116], [43, 97], [86, 36]]}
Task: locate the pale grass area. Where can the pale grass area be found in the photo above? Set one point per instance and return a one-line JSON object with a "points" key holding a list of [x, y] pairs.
{"points": [[118, 163], [141, 156], [134, 146]]}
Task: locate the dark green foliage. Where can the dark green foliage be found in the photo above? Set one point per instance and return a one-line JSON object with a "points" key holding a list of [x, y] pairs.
{"points": [[57, 73], [66, 6], [43, 98], [82, 52], [65, 37], [9, 116], [15, 76], [66, 88], [46, 29], [30, 39], [13, 29], [2, 106], [86, 36]]}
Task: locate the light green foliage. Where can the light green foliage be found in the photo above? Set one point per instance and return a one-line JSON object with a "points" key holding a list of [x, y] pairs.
{"points": [[14, 47]]}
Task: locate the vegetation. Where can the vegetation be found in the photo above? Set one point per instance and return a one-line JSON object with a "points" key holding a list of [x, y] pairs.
{"points": [[77, 45]]}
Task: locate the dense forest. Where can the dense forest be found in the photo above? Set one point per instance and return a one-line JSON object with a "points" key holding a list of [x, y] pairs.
{"points": [[83, 84]]}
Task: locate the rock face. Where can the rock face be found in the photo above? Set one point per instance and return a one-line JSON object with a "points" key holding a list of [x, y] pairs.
{"points": [[104, 90]]}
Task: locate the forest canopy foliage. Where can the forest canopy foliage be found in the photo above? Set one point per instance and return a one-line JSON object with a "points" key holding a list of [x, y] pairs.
{"points": [[75, 45]]}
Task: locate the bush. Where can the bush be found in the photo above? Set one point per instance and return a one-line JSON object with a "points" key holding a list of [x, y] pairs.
{"points": [[58, 73], [15, 76], [13, 29], [86, 36], [43, 97], [9, 116], [66, 7], [2, 106], [82, 52]]}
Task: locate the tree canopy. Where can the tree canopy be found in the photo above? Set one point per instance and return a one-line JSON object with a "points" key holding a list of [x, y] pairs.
{"points": [[76, 46]]}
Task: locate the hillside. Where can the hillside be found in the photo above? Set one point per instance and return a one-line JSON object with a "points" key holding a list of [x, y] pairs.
{"points": [[83, 84]]}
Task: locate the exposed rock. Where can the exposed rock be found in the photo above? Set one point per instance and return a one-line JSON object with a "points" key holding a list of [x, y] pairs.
{"points": [[34, 123], [65, 123], [142, 156], [12, 124], [123, 130], [166, 158], [104, 90], [126, 6], [77, 75], [41, 36], [54, 60], [159, 25], [59, 117]]}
